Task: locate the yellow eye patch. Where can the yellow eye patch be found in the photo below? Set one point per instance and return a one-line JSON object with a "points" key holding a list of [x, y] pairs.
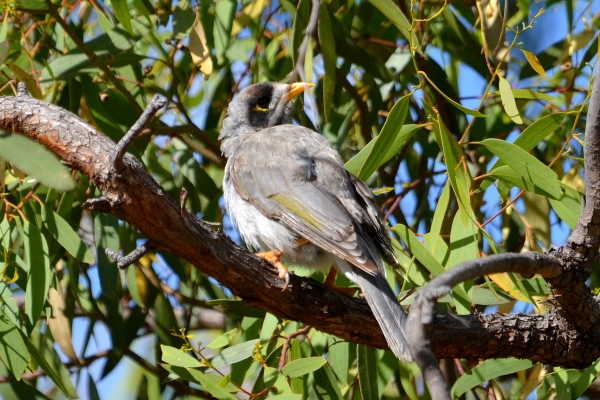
{"points": [[259, 108]]}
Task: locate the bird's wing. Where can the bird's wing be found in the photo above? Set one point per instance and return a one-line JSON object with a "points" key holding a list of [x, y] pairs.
{"points": [[292, 175]]}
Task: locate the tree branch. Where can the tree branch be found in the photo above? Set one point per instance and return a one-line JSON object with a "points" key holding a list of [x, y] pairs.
{"points": [[566, 269], [135, 197]]}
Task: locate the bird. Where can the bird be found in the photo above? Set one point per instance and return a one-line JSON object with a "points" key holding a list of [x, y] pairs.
{"points": [[290, 197]]}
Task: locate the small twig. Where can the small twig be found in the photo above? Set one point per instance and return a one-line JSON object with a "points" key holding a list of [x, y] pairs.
{"points": [[421, 311], [125, 261], [288, 341], [22, 90], [156, 104]]}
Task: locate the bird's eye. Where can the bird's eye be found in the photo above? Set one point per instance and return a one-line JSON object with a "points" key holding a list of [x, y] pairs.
{"points": [[262, 105]]}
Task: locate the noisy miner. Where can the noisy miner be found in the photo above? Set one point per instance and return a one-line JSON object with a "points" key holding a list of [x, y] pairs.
{"points": [[290, 197]]}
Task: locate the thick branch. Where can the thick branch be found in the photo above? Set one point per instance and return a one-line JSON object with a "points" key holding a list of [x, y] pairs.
{"points": [[134, 197]]}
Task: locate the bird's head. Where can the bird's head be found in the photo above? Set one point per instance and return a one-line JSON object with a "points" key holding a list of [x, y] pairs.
{"points": [[259, 106]]}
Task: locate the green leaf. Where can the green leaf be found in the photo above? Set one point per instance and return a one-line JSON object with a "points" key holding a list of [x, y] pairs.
{"points": [[459, 175], [224, 14], [199, 378], [338, 357], [122, 13], [49, 360], [303, 366], [525, 165], [386, 138], [367, 372], [13, 350], [234, 354], [417, 248], [176, 357], [66, 236], [588, 376], [106, 228], [464, 246], [222, 340], [487, 370], [268, 327], [563, 386], [196, 174], [528, 94], [327, 43], [346, 47], [38, 277], [394, 14], [400, 139], [513, 178], [113, 44], [529, 138], [326, 384], [166, 322], [508, 101], [462, 108], [211, 386], [567, 208], [35, 160]]}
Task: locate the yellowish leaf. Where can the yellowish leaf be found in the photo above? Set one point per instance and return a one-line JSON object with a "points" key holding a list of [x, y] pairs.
{"points": [[59, 325], [250, 12], [506, 284], [30, 83], [534, 62], [199, 50]]}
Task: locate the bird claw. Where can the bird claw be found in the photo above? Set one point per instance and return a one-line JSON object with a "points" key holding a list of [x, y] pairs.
{"points": [[286, 278], [273, 258]]}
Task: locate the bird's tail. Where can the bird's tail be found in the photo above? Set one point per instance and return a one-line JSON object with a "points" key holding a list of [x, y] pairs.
{"points": [[384, 304]]}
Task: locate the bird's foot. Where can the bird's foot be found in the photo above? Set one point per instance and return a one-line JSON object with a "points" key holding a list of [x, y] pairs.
{"points": [[273, 257], [330, 282]]}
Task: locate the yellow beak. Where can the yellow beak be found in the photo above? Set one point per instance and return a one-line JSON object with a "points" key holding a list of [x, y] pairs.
{"points": [[297, 88]]}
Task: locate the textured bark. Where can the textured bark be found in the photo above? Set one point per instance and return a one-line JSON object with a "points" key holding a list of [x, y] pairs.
{"points": [[133, 196]]}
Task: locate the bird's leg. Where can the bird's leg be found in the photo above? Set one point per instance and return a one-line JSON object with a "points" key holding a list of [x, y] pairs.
{"points": [[273, 257], [330, 282]]}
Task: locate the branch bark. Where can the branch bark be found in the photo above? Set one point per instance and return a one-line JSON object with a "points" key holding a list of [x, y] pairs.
{"points": [[133, 196], [566, 269]]}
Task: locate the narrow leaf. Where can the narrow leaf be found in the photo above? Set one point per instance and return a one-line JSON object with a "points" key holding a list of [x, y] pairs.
{"points": [[38, 277], [30, 83], [106, 228], [303, 366], [487, 370], [386, 137], [60, 326], [122, 13], [401, 138], [13, 350], [199, 50], [35, 160], [66, 236], [224, 14], [462, 108], [508, 101], [222, 340], [367, 372], [326, 384], [49, 360], [534, 62], [176, 357], [525, 165], [394, 14], [234, 354], [327, 42]]}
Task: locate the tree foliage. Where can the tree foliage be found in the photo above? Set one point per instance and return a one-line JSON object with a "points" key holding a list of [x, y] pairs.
{"points": [[465, 118]]}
